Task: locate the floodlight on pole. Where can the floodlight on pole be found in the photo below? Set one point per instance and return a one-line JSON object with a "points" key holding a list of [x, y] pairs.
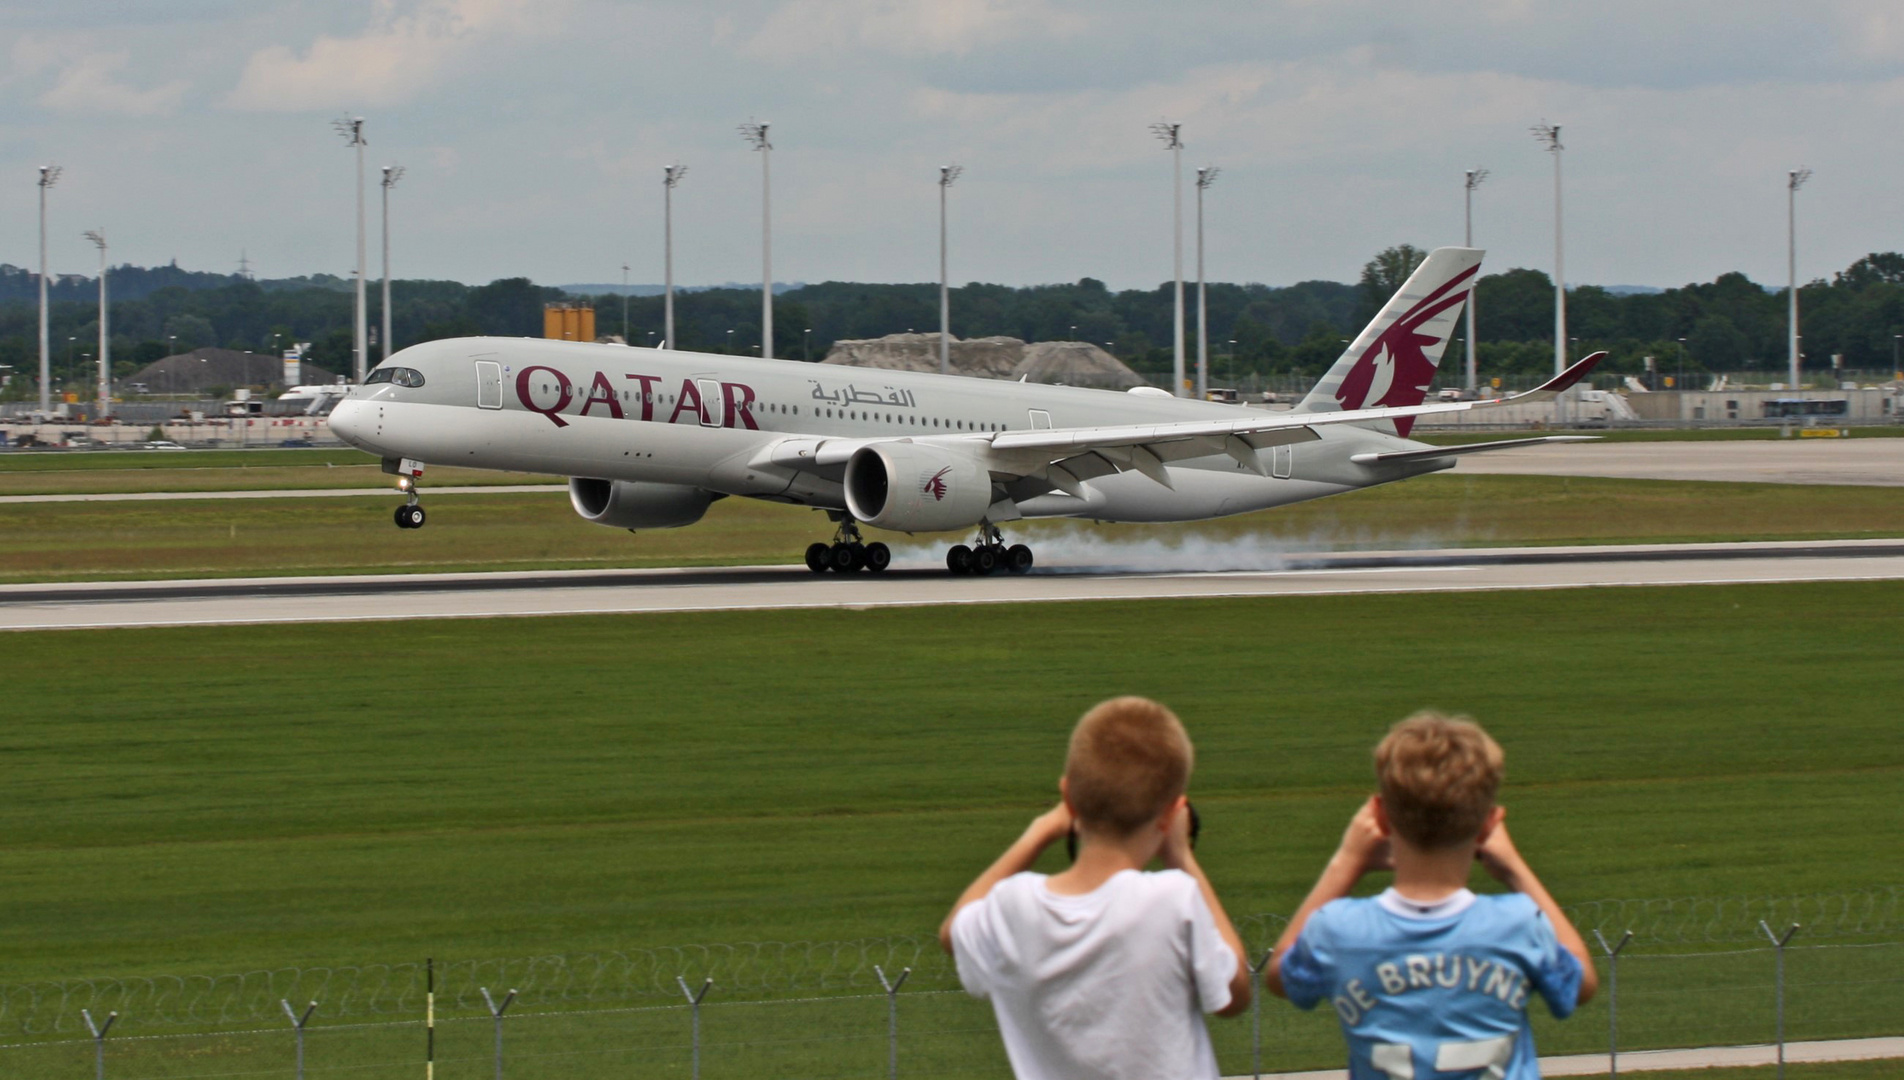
{"points": [[352, 129], [755, 132], [1475, 178], [1794, 180], [1549, 136], [1171, 134], [98, 237], [391, 174], [670, 176], [49, 175], [1205, 177], [624, 303], [947, 175]]}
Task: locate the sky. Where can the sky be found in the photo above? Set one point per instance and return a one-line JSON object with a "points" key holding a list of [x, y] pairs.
{"points": [[533, 134]]}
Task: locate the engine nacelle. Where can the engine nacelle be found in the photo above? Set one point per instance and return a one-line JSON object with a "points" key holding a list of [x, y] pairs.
{"points": [[637, 504], [909, 487]]}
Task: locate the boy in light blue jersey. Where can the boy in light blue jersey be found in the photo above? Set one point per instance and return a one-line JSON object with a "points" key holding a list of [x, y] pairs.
{"points": [[1429, 980]]}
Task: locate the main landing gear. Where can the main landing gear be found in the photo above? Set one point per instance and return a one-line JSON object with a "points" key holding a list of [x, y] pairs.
{"points": [[989, 555], [847, 554]]}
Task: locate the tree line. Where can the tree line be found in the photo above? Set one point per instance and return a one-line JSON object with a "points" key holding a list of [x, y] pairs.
{"points": [[1729, 324]]}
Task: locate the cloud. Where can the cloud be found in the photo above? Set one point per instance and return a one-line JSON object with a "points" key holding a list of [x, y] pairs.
{"points": [[398, 56], [906, 28], [90, 84]]}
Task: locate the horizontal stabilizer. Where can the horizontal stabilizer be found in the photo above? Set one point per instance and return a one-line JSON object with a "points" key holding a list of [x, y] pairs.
{"points": [[1470, 448]]}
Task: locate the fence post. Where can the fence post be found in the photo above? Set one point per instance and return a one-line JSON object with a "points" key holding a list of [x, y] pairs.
{"points": [[496, 1011], [1256, 1013], [429, 1018], [99, 1041], [1778, 984], [694, 1003], [892, 1018], [1613, 999], [297, 1023]]}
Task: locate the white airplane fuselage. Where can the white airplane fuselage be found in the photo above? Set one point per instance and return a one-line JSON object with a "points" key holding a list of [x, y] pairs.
{"points": [[760, 428]]}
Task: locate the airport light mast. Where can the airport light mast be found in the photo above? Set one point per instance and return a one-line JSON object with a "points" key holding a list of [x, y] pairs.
{"points": [[49, 175], [391, 174], [670, 176], [1475, 177], [1793, 181], [1205, 177], [1549, 135], [352, 129], [98, 237], [624, 303], [947, 175], [1171, 134], [756, 135]]}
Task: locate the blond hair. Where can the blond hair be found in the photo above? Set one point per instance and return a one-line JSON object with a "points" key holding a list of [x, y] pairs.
{"points": [[1438, 775], [1129, 759]]}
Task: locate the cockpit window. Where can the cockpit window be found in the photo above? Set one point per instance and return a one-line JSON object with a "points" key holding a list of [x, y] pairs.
{"points": [[401, 376]]}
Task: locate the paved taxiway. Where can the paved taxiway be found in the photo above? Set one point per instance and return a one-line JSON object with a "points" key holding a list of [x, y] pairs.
{"points": [[424, 596], [1774, 461]]}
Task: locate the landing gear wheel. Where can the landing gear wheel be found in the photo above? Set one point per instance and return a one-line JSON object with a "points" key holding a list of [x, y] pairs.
{"points": [[817, 558], [877, 558], [402, 517], [985, 560], [410, 517], [841, 559], [1018, 559], [959, 559]]}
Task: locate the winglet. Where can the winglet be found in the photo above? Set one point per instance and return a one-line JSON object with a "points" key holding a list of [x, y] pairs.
{"points": [[1557, 385]]}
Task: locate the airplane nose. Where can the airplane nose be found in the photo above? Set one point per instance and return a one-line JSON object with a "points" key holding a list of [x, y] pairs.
{"points": [[347, 421]]}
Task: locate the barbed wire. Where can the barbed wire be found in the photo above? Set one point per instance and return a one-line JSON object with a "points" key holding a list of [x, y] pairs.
{"points": [[1697, 920], [765, 969]]}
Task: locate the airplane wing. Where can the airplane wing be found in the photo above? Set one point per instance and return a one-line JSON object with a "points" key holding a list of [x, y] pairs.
{"points": [[1068, 456], [1465, 448], [1148, 447]]}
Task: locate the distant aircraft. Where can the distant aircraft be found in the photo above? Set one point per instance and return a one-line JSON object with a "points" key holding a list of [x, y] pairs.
{"points": [[650, 437]]}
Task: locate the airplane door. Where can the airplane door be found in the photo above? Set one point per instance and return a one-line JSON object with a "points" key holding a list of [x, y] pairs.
{"points": [[488, 384], [1283, 462], [712, 407], [1040, 420]]}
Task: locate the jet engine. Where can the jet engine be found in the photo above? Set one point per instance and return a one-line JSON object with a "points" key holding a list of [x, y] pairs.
{"points": [[638, 504], [910, 487]]}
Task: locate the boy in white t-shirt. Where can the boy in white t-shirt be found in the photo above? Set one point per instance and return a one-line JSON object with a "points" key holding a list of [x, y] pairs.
{"points": [[1104, 970]]}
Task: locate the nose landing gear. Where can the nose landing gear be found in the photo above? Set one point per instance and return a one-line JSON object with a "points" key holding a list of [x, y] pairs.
{"points": [[847, 554], [988, 555], [410, 515]]}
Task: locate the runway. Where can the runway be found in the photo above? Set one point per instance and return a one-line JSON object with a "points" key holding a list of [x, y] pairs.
{"points": [[760, 588]]}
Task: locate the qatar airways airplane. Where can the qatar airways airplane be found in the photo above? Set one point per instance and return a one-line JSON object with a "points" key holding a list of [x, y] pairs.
{"points": [[650, 437]]}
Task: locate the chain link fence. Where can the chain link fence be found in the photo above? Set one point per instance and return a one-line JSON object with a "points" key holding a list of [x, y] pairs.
{"points": [[1698, 972]]}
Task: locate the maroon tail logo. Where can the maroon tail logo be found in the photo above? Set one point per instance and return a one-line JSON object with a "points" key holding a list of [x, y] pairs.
{"points": [[1394, 372], [935, 485]]}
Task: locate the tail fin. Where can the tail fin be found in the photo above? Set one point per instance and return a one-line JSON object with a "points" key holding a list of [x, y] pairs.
{"points": [[1393, 361]]}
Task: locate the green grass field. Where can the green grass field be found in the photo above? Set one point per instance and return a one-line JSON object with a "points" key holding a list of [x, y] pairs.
{"points": [[238, 799], [211, 538], [386, 791]]}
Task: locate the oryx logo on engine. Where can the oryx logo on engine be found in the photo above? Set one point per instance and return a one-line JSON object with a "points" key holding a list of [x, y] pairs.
{"points": [[933, 484]]}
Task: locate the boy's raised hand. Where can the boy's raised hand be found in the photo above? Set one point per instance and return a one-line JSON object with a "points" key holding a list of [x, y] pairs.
{"points": [[1364, 846]]}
